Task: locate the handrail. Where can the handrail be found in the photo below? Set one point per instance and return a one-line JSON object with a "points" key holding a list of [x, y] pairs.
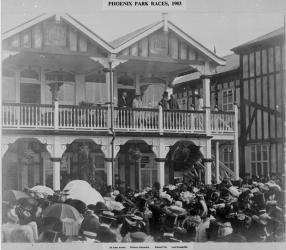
{"points": [[135, 109], [223, 112], [93, 117]]}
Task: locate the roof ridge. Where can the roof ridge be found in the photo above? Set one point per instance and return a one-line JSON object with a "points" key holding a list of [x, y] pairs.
{"points": [[265, 36], [90, 30], [129, 36], [21, 24]]}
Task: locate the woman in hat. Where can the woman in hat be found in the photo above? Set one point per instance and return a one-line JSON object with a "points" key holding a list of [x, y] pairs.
{"points": [[28, 230]]}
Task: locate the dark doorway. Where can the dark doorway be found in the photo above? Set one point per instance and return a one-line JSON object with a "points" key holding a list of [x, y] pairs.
{"points": [[130, 95], [30, 93]]}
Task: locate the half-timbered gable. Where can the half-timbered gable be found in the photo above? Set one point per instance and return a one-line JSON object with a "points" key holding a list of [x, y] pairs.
{"points": [[54, 34]]}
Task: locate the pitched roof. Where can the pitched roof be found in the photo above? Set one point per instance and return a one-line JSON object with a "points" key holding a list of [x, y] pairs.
{"points": [[123, 39], [127, 40], [232, 63], [271, 35], [88, 32]]}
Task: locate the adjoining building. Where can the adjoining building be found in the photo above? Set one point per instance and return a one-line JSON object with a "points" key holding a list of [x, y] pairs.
{"points": [[60, 117], [253, 78]]}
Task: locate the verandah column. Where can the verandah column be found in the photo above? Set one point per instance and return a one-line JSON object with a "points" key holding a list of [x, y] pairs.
{"points": [[160, 164], [56, 173], [108, 170], [208, 163], [207, 107], [217, 161], [235, 144]]}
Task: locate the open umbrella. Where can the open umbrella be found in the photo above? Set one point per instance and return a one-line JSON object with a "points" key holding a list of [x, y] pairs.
{"points": [[69, 217], [13, 196], [81, 190], [42, 190]]}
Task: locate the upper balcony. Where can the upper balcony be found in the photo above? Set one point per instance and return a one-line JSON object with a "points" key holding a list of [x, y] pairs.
{"points": [[78, 118]]}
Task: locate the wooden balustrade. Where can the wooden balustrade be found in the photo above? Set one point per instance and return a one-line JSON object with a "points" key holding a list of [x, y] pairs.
{"points": [[15, 115], [183, 121], [77, 117], [136, 119], [222, 122], [27, 115]]}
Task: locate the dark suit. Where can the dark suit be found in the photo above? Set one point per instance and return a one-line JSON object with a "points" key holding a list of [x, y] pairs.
{"points": [[122, 102]]}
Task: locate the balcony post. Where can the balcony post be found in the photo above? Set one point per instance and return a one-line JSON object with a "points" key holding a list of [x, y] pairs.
{"points": [[208, 163], [54, 88], [56, 114], [108, 171], [207, 102], [235, 144], [56, 173], [160, 162], [160, 120], [217, 161]]}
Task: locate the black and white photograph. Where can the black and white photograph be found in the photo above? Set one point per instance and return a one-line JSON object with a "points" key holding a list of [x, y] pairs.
{"points": [[142, 124]]}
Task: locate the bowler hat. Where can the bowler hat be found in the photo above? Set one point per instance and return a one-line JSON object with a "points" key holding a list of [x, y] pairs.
{"points": [[165, 93]]}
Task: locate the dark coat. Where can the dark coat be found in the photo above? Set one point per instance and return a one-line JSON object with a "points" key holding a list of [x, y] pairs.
{"points": [[122, 102]]}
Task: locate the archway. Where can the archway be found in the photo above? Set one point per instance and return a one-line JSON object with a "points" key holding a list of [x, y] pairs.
{"points": [[26, 164], [183, 162], [135, 166], [83, 159]]}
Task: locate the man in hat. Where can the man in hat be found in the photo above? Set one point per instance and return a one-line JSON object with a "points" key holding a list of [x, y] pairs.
{"points": [[164, 101], [137, 102], [122, 100], [173, 103]]}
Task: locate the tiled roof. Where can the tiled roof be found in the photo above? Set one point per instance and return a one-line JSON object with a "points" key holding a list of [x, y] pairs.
{"points": [[270, 35], [123, 39]]}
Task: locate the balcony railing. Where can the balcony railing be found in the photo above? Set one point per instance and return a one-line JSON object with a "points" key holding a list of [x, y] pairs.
{"points": [[222, 122], [68, 117], [184, 121]]}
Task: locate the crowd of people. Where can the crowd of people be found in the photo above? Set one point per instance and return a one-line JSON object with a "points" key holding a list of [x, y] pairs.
{"points": [[240, 211], [166, 103]]}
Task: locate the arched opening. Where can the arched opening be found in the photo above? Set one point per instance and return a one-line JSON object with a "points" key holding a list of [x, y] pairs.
{"points": [[135, 166], [183, 162], [26, 164], [84, 160]]}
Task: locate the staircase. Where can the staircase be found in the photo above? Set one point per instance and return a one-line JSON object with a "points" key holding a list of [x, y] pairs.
{"points": [[224, 171]]}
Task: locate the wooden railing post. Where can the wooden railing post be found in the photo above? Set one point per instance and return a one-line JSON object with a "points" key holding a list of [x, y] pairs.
{"points": [[160, 120], [56, 114], [236, 146], [207, 104]]}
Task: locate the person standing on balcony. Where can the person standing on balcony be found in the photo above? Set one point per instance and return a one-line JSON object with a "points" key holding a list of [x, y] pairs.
{"points": [[173, 103], [122, 100], [200, 103], [137, 102], [164, 101]]}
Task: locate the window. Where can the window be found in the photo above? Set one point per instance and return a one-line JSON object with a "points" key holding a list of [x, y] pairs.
{"points": [[148, 172], [227, 100], [8, 86], [245, 66], [37, 37], [228, 156], [259, 160], [258, 66], [251, 64]]}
